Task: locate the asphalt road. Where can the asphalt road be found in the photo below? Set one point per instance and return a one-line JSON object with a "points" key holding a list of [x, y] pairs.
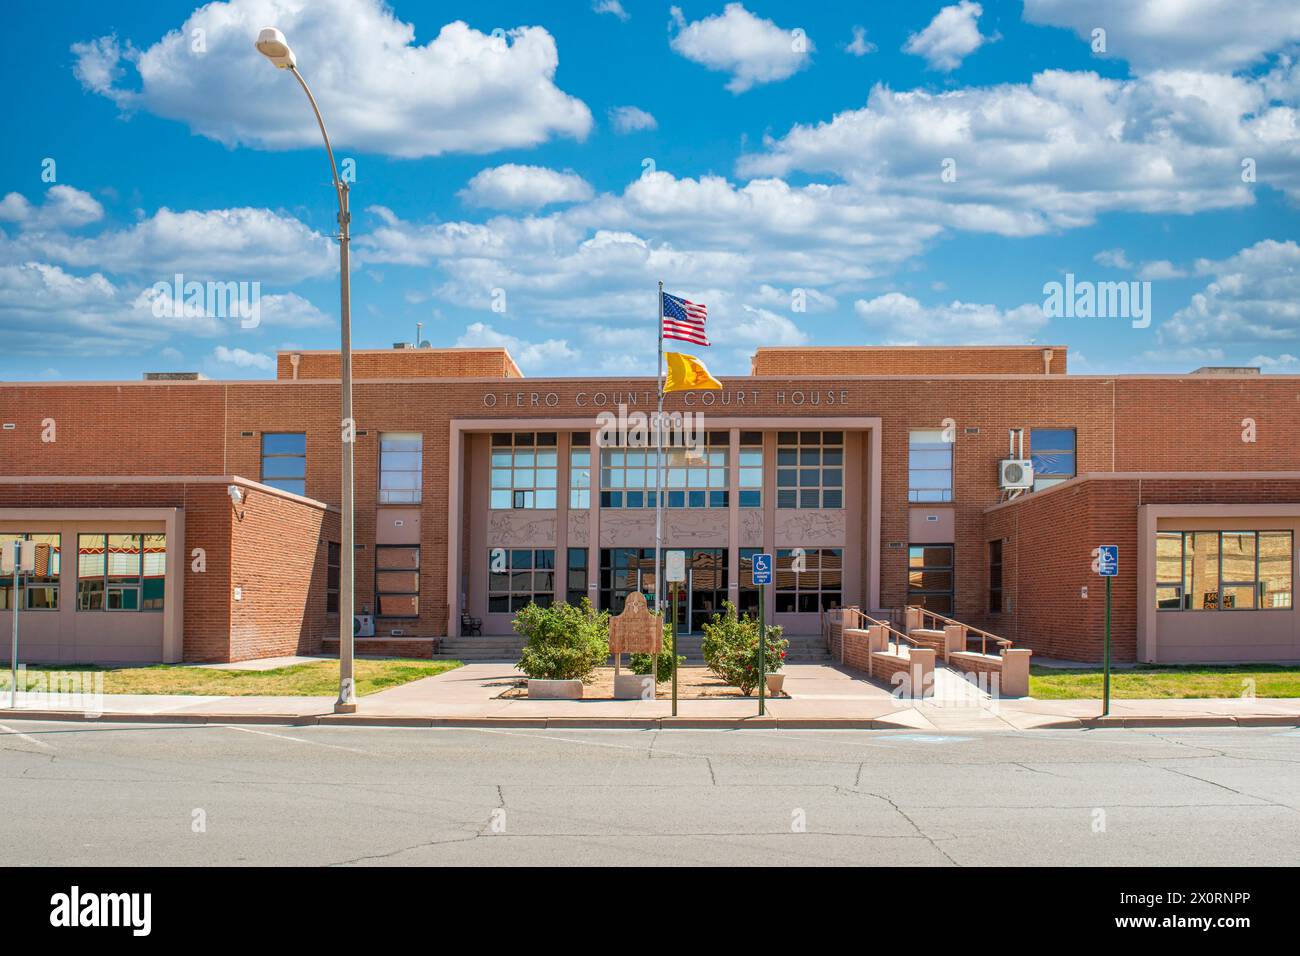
{"points": [[117, 794]]}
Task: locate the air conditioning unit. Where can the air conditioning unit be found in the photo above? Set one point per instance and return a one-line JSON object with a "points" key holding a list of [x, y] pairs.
{"points": [[363, 625], [1015, 473]]}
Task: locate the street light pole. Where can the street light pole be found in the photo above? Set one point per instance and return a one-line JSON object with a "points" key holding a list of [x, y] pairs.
{"points": [[271, 43]]}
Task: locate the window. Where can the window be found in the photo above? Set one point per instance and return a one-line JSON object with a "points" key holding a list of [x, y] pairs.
{"points": [[751, 470], [930, 577], [995, 576], [692, 477], [810, 470], [523, 470], [580, 470], [808, 580], [1052, 452], [748, 591], [518, 577], [622, 571], [333, 561], [284, 461], [576, 581], [400, 467], [929, 466], [121, 572], [38, 589], [1223, 570], [397, 580]]}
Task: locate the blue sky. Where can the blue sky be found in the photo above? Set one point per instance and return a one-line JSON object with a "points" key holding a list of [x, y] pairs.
{"points": [[791, 165]]}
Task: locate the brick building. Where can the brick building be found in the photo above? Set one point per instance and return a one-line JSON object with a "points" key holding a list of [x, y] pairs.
{"points": [[188, 519]]}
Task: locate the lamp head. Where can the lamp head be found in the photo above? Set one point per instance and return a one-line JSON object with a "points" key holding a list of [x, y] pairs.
{"points": [[272, 45]]}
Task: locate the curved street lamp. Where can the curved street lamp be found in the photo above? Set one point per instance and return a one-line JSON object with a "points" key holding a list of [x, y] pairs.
{"points": [[272, 44]]}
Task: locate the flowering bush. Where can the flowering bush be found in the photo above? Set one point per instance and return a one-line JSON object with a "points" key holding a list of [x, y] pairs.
{"points": [[731, 648], [564, 642]]}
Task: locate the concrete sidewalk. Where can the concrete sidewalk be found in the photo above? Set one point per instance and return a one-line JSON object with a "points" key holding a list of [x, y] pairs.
{"points": [[821, 697]]}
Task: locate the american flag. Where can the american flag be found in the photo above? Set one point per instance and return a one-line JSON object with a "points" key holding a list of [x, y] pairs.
{"points": [[684, 320]]}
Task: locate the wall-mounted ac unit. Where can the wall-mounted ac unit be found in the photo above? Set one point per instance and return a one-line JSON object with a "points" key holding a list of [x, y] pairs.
{"points": [[363, 625], [1015, 473]]}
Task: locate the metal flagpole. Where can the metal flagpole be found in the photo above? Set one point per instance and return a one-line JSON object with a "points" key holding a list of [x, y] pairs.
{"points": [[659, 461]]}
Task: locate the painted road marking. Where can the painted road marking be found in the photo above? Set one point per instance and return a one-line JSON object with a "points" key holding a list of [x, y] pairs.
{"points": [[297, 740], [31, 740]]}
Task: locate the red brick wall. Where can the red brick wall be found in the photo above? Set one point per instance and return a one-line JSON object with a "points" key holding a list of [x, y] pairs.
{"points": [[197, 428], [1047, 558], [278, 549], [402, 363], [908, 360], [276, 553]]}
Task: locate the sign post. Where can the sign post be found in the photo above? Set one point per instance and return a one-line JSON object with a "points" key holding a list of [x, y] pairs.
{"points": [[1107, 565], [762, 573], [675, 573], [22, 558]]}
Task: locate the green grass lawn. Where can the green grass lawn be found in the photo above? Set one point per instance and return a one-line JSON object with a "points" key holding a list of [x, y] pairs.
{"points": [[1154, 681], [317, 679]]}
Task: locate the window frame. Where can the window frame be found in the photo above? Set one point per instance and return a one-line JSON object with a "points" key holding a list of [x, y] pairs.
{"points": [[1187, 594], [395, 496], [279, 482], [144, 603], [333, 570], [794, 585], [1050, 478], [29, 581], [796, 442], [997, 582], [524, 495], [924, 495], [510, 592], [690, 481], [951, 568], [380, 593]]}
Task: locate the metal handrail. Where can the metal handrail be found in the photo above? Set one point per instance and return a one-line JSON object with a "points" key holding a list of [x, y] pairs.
{"points": [[890, 630], [984, 635]]}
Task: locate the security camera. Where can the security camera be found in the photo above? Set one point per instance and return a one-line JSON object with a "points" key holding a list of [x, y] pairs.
{"points": [[236, 494]]}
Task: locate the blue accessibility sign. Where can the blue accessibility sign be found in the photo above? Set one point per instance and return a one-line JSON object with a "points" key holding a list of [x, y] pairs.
{"points": [[762, 569], [1107, 563]]}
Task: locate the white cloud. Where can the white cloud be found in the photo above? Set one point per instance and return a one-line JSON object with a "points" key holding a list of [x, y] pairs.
{"points": [[240, 244], [751, 49], [1254, 299], [630, 119], [551, 355], [950, 37], [63, 207], [524, 187], [612, 7], [860, 45], [1160, 269], [1055, 153], [1278, 363], [1162, 35], [813, 300], [464, 91], [1112, 259], [242, 358], [900, 319]]}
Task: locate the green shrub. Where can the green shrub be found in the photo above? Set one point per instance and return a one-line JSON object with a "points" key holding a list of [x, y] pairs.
{"points": [[643, 663], [564, 642], [731, 648]]}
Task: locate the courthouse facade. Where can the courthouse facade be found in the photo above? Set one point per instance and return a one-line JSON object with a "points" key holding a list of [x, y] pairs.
{"points": [[179, 518]]}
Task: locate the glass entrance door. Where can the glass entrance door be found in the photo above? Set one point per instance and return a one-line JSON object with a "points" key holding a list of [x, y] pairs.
{"points": [[699, 597]]}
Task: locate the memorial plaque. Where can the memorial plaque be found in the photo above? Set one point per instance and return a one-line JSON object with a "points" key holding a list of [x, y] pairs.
{"points": [[636, 630]]}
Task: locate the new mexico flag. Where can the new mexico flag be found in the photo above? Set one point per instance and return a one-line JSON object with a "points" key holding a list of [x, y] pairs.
{"points": [[686, 372]]}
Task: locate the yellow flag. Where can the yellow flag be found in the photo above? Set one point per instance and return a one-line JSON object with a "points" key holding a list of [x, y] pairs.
{"points": [[686, 372]]}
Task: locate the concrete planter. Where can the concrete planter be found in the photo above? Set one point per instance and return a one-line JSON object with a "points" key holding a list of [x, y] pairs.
{"points": [[775, 682], [634, 687], [554, 689]]}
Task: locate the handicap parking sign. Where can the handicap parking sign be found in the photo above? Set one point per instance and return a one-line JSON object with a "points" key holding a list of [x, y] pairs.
{"points": [[762, 569], [1107, 561]]}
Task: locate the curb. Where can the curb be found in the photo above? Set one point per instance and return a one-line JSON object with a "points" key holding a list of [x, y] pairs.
{"points": [[630, 723]]}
